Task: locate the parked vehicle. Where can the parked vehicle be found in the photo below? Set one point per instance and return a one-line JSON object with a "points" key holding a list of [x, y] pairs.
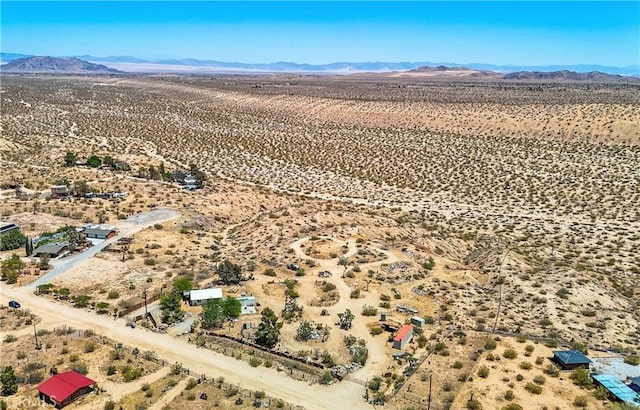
{"points": [[14, 304]]}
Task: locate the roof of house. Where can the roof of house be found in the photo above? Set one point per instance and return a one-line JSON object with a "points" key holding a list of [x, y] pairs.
{"points": [[7, 226], [205, 294], [635, 380], [617, 388], [403, 332], [99, 231], [571, 357], [51, 248], [62, 385]]}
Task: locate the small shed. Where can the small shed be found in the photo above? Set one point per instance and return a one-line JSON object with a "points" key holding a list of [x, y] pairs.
{"points": [[248, 304], [617, 390], [200, 296], [59, 190], [403, 337], [53, 249], [635, 384], [63, 388], [417, 321], [571, 359]]}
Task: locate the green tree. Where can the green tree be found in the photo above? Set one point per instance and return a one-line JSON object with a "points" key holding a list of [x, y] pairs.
{"points": [[108, 160], [70, 159], [28, 247], [182, 284], [229, 272], [11, 268], [232, 307], [171, 306], [346, 319], [81, 301], [12, 240], [9, 382], [304, 331], [269, 329], [81, 187], [212, 315], [94, 161], [429, 264]]}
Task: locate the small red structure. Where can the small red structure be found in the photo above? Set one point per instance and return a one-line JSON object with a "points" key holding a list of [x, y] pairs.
{"points": [[403, 336], [63, 388]]}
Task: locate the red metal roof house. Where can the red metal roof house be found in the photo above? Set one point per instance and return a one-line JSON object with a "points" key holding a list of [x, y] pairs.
{"points": [[403, 336], [63, 388]]}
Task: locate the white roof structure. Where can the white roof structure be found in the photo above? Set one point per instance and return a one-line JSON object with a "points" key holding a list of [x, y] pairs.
{"points": [[205, 294]]}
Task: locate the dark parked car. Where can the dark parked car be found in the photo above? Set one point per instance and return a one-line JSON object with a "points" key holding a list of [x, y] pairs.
{"points": [[14, 304]]}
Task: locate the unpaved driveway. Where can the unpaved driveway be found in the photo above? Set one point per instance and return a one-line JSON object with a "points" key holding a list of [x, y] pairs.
{"points": [[127, 227], [198, 360]]}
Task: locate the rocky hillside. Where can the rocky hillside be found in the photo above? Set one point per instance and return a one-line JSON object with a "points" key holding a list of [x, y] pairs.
{"points": [[44, 64]]}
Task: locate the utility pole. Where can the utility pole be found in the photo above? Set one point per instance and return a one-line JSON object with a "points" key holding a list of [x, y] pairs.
{"points": [[146, 313], [35, 334], [429, 399]]}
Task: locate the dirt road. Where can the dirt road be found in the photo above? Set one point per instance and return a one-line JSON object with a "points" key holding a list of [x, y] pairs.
{"points": [[198, 360]]}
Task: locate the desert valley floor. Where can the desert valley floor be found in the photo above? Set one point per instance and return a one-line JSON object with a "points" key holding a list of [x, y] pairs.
{"points": [[504, 214]]}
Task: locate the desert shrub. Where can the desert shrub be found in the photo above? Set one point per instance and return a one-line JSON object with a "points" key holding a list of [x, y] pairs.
{"points": [[328, 287], [526, 366], [255, 361], [580, 401], [110, 405], [512, 406], [552, 370], [632, 360], [483, 372], [369, 310], [581, 378], [509, 395], [533, 388], [539, 379], [376, 331], [510, 354], [539, 360], [457, 364], [490, 344], [474, 404], [326, 378], [374, 384], [192, 383]]}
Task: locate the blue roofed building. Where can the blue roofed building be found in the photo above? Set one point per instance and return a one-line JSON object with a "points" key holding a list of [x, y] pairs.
{"points": [[571, 359], [635, 384], [617, 390]]}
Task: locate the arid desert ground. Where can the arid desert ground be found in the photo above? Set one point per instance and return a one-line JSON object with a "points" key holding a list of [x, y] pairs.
{"points": [[504, 213]]}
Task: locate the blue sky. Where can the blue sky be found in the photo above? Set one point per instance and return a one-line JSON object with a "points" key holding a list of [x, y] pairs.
{"points": [[503, 32]]}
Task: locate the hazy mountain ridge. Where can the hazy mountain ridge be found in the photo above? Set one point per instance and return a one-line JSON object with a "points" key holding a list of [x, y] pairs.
{"points": [[46, 64], [73, 65], [379, 66]]}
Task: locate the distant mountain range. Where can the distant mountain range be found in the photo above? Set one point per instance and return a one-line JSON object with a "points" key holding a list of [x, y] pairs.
{"points": [[110, 65], [44, 64]]}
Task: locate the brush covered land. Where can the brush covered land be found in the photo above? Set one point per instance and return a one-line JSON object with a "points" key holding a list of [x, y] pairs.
{"points": [[494, 209]]}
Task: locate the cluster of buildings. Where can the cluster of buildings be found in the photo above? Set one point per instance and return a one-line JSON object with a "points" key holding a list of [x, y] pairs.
{"points": [[58, 248], [618, 390]]}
